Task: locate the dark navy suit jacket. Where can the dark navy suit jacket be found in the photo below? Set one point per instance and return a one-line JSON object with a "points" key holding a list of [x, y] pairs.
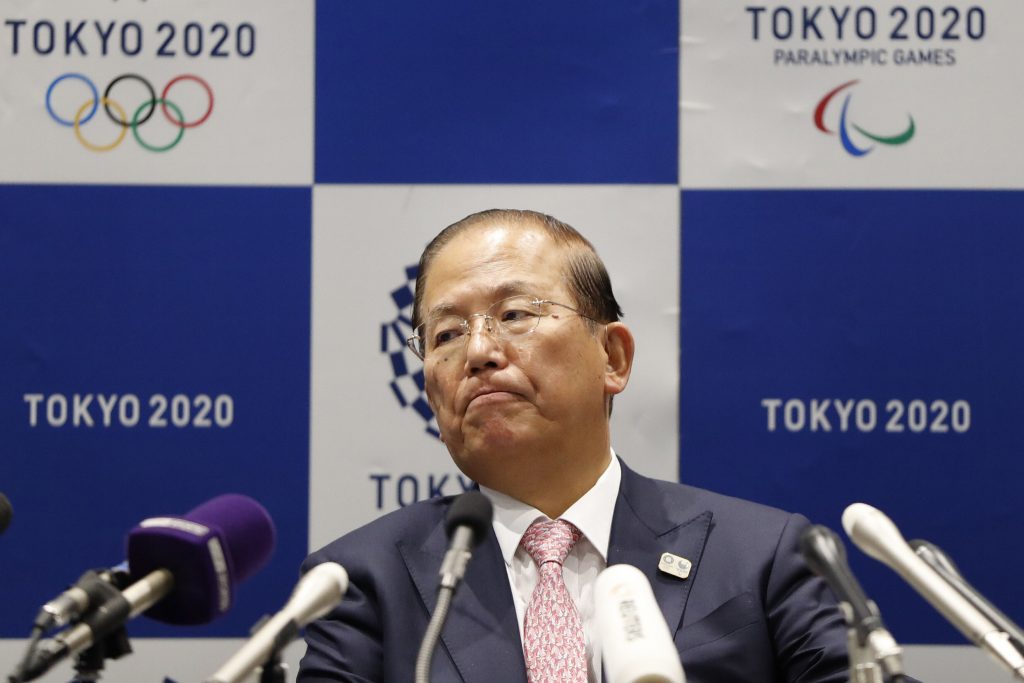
{"points": [[749, 611]]}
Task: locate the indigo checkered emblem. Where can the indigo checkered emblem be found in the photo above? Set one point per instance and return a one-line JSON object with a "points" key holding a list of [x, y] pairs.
{"points": [[406, 370]]}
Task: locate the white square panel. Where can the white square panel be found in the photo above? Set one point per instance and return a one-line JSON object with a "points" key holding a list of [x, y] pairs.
{"points": [[237, 77], [368, 453]]}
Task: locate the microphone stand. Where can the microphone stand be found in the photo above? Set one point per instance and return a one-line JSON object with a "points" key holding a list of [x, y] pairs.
{"points": [[113, 644], [100, 589], [864, 656], [429, 643], [274, 669], [89, 662], [863, 667]]}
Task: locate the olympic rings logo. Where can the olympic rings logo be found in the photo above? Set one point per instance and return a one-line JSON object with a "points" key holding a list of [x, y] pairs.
{"points": [[119, 115]]}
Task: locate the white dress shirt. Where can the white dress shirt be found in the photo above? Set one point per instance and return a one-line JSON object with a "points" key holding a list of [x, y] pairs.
{"points": [[592, 515]]}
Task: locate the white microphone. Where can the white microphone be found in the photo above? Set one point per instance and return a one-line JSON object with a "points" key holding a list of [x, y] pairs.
{"points": [[876, 535], [317, 592], [635, 641]]}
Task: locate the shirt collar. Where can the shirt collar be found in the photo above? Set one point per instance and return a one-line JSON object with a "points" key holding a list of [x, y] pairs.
{"points": [[591, 514]]}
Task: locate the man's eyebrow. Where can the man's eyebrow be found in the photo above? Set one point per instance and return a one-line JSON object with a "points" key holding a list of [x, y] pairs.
{"points": [[512, 288], [439, 310], [502, 291]]}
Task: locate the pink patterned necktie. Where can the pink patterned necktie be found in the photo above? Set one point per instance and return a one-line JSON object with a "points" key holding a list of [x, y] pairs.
{"points": [[555, 648]]}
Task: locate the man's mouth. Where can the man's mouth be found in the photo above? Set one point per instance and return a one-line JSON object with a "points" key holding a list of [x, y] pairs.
{"points": [[491, 397]]}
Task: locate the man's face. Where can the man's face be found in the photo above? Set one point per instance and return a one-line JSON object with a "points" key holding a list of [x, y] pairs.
{"points": [[505, 405]]}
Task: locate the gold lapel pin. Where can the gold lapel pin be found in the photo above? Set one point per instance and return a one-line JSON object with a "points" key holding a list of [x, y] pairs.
{"points": [[674, 565]]}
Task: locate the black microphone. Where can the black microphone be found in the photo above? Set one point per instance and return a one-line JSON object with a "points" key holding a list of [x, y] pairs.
{"points": [[467, 523], [6, 512], [944, 567], [826, 556]]}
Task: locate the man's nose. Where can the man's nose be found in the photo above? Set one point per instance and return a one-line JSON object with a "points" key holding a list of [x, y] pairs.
{"points": [[483, 347]]}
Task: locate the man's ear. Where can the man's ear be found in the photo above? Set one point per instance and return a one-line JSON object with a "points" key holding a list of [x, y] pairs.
{"points": [[619, 347]]}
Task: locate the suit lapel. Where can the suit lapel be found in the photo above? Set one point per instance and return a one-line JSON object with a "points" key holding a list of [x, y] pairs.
{"points": [[645, 526], [481, 635]]}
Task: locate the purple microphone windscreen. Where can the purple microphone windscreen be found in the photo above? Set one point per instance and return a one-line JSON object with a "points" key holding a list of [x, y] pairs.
{"points": [[208, 550]]}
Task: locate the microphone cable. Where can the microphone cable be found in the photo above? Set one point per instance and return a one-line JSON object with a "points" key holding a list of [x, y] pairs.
{"points": [[30, 651]]}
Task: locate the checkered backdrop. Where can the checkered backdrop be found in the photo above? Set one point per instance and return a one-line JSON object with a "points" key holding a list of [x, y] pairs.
{"points": [[211, 212]]}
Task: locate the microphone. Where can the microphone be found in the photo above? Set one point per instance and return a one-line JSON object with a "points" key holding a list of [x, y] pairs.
{"points": [[876, 535], [468, 520], [209, 550], [93, 588], [98, 624], [635, 641], [826, 556], [188, 566], [467, 523], [944, 567], [6, 512], [314, 596]]}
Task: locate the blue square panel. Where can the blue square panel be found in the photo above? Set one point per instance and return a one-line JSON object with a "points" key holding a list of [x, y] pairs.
{"points": [[844, 346], [497, 92], [154, 349]]}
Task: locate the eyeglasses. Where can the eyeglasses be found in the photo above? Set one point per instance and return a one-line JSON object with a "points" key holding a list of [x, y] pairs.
{"points": [[512, 317]]}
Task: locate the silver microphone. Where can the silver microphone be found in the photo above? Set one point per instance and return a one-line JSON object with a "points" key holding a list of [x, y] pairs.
{"points": [[93, 588], [317, 592], [129, 603], [944, 567], [876, 535]]}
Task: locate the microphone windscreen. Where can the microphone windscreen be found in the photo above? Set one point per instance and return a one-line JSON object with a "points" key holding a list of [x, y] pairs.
{"points": [[246, 528], [6, 512], [636, 643], [472, 509], [208, 551]]}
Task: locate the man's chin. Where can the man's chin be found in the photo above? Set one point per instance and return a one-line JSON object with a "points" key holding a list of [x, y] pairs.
{"points": [[497, 435], [492, 449]]}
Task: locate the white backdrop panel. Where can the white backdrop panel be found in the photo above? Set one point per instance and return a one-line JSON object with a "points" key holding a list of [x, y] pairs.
{"points": [[752, 76], [364, 238], [256, 58]]}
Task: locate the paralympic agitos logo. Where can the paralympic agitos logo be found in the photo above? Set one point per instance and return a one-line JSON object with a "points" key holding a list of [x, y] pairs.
{"points": [[73, 101], [856, 140]]}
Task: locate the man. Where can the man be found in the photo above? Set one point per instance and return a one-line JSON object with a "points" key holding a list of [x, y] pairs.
{"points": [[522, 347]]}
